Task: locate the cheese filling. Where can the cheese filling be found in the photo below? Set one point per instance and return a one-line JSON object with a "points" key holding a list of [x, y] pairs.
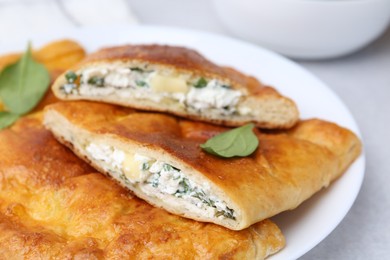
{"points": [[193, 94], [159, 179]]}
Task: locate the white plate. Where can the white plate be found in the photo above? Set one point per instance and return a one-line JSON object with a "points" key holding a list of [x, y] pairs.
{"points": [[310, 223]]}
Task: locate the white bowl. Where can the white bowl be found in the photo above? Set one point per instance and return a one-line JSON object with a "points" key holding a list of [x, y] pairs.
{"points": [[306, 29]]}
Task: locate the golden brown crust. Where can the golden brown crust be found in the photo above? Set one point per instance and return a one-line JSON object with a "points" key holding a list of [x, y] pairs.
{"points": [[286, 169], [180, 58], [54, 206]]}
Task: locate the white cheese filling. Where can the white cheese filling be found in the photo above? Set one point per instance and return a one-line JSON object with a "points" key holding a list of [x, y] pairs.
{"points": [[142, 83], [213, 95], [158, 178]]}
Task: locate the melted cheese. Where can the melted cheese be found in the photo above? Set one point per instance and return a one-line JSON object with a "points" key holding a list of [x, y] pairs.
{"points": [[130, 167], [160, 83], [133, 167], [130, 164]]}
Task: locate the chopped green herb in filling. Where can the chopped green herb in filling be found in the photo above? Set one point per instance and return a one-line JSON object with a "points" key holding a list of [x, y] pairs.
{"points": [[186, 189], [202, 197], [145, 166], [154, 180], [71, 85], [124, 178], [140, 83], [198, 95], [71, 77], [201, 83], [137, 69], [97, 81], [184, 186], [226, 213], [163, 177]]}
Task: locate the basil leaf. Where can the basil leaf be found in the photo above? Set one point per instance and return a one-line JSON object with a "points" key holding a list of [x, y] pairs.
{"points": [[240, 141], [23, 84], [7, 119]]}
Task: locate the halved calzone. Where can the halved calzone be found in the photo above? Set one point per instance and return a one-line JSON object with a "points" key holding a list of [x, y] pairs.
{"points": [[158, 157], [55, 206], [178, 81]]}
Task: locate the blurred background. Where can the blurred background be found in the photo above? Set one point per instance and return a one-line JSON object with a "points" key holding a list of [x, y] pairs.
{"points": [[346, 43], [303, 29]]}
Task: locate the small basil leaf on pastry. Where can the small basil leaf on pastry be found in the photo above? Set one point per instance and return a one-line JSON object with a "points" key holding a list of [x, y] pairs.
{"points": [[240, 141]]}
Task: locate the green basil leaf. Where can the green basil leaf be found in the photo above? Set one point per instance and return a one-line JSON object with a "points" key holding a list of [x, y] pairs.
{"points": [[23, 84], [7, 119], [240, 141]]}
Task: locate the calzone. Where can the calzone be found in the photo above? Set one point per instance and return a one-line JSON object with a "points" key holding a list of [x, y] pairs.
{"points": [[159, 158], [53, 205], [175, 80]]}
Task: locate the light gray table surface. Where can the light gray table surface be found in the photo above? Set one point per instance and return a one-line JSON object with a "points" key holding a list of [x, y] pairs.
{"points": [[362, 80]]}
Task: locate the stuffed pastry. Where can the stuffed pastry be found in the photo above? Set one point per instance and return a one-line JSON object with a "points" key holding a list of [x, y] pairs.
{"points": [[55, 206], [175, 80], [158, 157]]}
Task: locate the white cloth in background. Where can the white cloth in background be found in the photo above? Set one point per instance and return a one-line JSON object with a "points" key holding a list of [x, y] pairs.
{"points": [[20, 19]]}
